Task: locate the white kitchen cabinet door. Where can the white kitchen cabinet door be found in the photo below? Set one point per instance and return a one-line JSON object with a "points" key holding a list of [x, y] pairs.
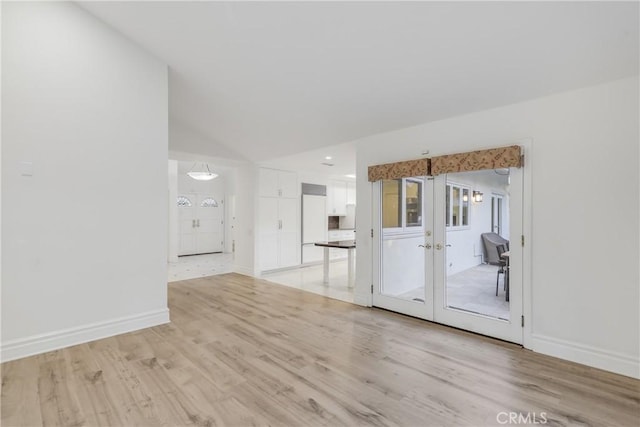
{"points": [[269, 218], [334, 235], [277, 183], [289, 243], [268, 183], [288, 183], [288, 213], [279, 232], [288, 250], [269, 258], [337, 198]]}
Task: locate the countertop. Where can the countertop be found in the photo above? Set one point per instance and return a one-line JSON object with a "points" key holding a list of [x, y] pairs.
{"points": [[342, 244]]}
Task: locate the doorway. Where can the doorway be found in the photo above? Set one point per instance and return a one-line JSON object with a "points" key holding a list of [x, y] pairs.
{"points": [[435, 249], [201, 222]]}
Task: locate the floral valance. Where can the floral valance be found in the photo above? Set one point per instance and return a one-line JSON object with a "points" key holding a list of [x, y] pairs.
{"points": [[495, 158], [398, 170]]}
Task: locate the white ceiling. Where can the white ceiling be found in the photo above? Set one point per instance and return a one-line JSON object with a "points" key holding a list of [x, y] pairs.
{"points": [[267, 79]]}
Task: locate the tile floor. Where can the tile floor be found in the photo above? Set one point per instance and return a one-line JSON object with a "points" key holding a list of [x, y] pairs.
{"points": [[194, 266], [473, 290], [309, 279]]}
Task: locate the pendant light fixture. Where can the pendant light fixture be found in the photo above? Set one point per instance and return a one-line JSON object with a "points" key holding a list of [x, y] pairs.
{"points": [[204, 174]]}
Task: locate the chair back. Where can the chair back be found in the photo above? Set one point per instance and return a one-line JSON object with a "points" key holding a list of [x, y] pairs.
{"points": [[490, 242]]}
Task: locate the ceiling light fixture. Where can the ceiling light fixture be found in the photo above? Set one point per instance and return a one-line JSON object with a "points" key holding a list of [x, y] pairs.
{"points": [[351, 175], [202, 175], [328, 157]]}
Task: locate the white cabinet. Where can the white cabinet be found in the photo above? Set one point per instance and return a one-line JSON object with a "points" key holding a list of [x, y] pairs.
{"points": [[351, 193], [278, 219], [337, 198], [277, 183]]}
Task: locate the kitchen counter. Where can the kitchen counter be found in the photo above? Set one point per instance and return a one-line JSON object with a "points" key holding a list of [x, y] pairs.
{"points": [[342, 244], [350, 246]]}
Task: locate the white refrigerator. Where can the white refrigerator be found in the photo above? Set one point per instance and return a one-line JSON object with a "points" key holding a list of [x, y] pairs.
{"points": [[314, 226]]}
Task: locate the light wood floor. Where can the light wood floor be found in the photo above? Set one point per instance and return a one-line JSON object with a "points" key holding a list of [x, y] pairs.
{"points": [[245, 352]]}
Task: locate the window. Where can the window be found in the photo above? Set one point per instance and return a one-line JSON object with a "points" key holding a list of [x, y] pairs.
{"points": [[457, 206], [413, 203], [496, 214], [391, 206], [184, 202], [402, 208], [209, 203]]}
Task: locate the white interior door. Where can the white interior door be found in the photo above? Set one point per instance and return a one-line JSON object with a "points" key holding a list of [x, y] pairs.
{"points": [[187, 224], [209, 225], [201, 223]]}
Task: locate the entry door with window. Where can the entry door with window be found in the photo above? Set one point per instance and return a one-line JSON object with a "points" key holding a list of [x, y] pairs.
{"points": [[431, 259], [201, 219]]}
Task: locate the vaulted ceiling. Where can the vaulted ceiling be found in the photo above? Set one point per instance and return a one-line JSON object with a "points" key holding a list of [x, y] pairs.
{"points": [[262, 80]]}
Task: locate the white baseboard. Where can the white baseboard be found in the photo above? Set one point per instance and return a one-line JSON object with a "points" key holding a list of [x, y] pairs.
{"points": [[243, 270], [591, 356], [43, 343], [362, 299]]}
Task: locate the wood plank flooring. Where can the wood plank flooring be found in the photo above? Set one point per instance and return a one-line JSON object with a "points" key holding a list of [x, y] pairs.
{"points": [[243, 352]]}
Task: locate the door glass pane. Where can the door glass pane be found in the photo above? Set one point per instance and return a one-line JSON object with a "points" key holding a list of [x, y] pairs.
{"points": [[455, 208], [476, 274], [448, 205], [402, 258], [465, 206], [391, 203], [413, 191]]}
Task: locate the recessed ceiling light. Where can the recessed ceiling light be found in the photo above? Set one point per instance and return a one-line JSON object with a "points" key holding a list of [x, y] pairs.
{"points": [[351, 175], [328, 157]]}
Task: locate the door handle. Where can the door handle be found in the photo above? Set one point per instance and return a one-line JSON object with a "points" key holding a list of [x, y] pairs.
{"points": [[439, 246], [426, 246], [193, 223], [279, 224]]}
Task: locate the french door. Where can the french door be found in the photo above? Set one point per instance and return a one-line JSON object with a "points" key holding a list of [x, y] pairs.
{"points": [[439, 265], [404, 218]]}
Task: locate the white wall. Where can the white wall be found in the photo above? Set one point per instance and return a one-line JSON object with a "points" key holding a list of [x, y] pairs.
{"points": [[584, 302], [246, 184], [84, 241], [173, 228]]}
